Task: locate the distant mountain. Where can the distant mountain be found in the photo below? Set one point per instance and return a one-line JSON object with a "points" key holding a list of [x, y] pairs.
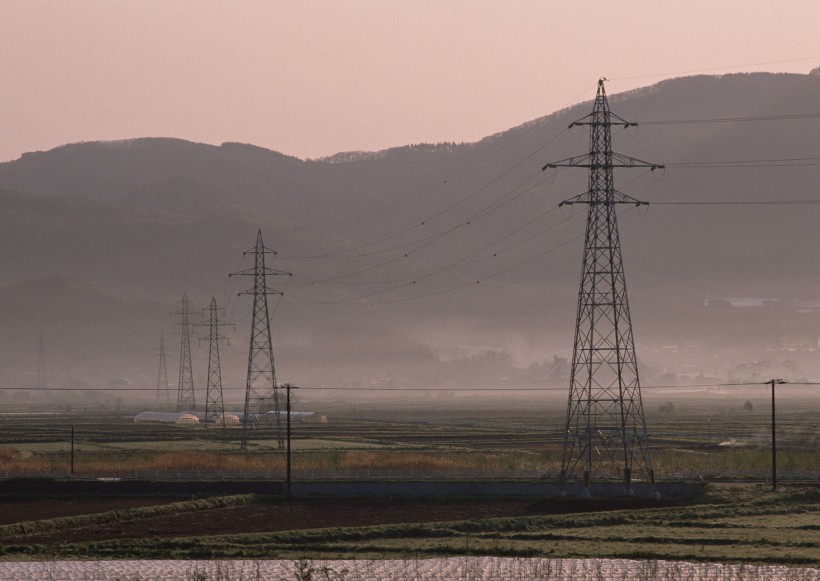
{"points": [[99, 240]]}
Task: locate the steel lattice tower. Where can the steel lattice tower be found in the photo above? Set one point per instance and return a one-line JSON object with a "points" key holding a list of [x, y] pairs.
{"points": [[606, 433], [261, 391], [214, 404], [163, 391], [186, 400]]}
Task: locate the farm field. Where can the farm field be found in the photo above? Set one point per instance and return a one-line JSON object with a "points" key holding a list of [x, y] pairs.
{"points": [[222, 503], [703, 437]]}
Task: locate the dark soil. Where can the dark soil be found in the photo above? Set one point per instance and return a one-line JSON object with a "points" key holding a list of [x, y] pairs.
{"points": [[281, 515], [19, 511], [30, 500]]}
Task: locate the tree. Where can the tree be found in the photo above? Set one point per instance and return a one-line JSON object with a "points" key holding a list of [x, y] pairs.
{"points": [[748, 406]]}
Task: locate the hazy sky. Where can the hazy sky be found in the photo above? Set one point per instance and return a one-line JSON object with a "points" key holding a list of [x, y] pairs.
{"points": [[311, 78]]}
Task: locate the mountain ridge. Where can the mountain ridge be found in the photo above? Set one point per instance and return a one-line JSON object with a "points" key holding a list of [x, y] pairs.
{"points": [[144, 220]]}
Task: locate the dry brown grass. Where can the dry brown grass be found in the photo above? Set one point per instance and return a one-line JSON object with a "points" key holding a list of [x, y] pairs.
{"points": [[431, 461], [123, 463], [725, 462], [13, 461]]}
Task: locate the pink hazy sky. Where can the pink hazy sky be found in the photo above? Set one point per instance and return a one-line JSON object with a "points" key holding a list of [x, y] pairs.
{"points": [[312, 78]]}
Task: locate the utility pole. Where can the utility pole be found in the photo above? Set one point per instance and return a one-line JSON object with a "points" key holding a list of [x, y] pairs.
{"points": [[214, 403], [605, 431], [186, 400], [71, 473], [261, 391], [287, 387], [163, 391], [774, 382]]}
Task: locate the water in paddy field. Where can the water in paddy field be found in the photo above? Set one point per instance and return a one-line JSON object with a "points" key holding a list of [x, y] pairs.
{"points": [[453, 568]]}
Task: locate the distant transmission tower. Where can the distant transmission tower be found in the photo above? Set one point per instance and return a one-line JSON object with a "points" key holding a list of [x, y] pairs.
{"points": [[261, 391], [163, 390], [214, 404], [606, 432], [42, 382], [186, 401]]}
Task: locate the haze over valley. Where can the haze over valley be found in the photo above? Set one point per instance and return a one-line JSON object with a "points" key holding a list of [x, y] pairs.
{"points": [[444, 265]]}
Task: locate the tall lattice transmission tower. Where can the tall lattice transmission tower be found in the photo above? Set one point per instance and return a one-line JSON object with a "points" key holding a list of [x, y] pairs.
{"points": [[186, 400], [606, 433], [261, 390], [163, 390], [214, 403]]}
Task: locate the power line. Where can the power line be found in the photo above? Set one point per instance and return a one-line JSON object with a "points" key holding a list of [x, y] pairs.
{"points": [[527, 131], [458, 263], [409, 281], [439, 213], [423, 243], [747, 163], [742, 203], [516, 389], [531, 126], [458, 286], [465, 284], [346, 388], [731, 119]]}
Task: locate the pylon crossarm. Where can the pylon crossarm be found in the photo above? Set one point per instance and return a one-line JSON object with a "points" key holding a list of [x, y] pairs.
{"points": [[579, 199], [252, 272], [617, 198], [266, 290], [590, 120], [260, 250], [574, 161], [626, 161], [618, 161], [622, 198], [623, 161]]}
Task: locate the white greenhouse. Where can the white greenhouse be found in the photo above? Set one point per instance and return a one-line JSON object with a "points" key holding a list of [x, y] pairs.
{"points": [[166, 418]]}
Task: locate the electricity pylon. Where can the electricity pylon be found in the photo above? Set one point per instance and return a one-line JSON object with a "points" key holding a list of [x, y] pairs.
{"points": [[186, 400], [214, 404], [605, 431], [261, 391], [163, 391]]}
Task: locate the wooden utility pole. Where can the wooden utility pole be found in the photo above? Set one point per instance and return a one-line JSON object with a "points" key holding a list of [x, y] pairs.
{"points": [[288, 387], [774, 382]]}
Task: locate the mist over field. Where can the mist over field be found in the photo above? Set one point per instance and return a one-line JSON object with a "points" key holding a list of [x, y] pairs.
{"points": [[442, 265]]}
